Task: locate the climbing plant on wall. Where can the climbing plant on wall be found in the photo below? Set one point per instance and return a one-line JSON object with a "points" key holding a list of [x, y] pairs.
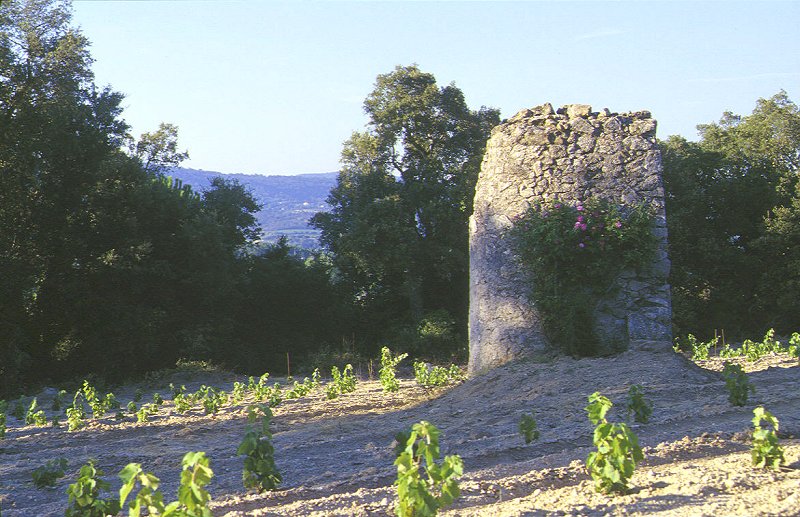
{"points": [[573, 253]]}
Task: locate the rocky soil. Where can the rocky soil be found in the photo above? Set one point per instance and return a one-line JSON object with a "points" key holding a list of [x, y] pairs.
{"points": [[336, 455]]}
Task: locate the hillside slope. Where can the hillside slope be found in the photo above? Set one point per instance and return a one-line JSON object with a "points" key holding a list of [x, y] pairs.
{"points": [[336, 455], [288, 201]]}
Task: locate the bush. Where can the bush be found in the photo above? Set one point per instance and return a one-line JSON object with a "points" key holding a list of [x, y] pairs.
{"points": [[527, 428], [766, 452], [388, 372], [737, 384], [47, 474], [436, 376], [84, 495], [260, 472], [418, 496], [618, 451], [638, 406]]}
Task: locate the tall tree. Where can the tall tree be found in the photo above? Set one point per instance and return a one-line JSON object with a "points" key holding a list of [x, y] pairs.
{"points": [[730, 200], [108, 266], [398, 228]]}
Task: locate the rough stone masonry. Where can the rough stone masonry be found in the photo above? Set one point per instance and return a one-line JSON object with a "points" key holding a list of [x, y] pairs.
{"points": [[571, 155]]}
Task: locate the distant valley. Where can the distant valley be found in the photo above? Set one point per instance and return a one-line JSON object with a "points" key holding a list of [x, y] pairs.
{"points": [[288, 201]]}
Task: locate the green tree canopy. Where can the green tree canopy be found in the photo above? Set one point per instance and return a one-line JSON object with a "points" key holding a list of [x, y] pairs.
{"points": [[732, 201], [397, 228], [108, 266]]}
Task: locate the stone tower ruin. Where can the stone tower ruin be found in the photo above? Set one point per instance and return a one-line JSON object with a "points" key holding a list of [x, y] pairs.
{"points": [[571, 155]]}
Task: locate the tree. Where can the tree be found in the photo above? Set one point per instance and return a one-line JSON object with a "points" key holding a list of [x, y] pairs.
{"points": [[56, 129], [731, 201], [158, 151], [398, 227], [108, 266]]}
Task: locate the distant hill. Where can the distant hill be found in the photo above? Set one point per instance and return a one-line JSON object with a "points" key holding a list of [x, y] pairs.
{"points": [[288, 201]]}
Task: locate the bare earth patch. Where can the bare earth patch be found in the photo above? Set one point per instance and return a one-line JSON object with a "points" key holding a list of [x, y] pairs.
{"points": [[336, 456]]}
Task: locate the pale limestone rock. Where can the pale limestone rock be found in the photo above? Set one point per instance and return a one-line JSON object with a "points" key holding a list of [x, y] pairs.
{"points": [[571, 155]]}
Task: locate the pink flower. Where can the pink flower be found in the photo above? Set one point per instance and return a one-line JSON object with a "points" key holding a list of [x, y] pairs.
{"points": [[579, 208], [580, 219], [581, 245], [577, 225], [618, 225], [583, 227]]}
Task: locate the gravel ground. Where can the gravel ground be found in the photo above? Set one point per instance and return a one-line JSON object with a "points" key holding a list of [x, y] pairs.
{"points": [[336, 455]]}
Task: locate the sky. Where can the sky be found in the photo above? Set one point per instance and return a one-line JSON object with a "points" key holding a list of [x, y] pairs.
{"points": [[276, 87]]}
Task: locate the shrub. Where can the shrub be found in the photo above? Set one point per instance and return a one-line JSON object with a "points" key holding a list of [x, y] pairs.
{"points": [[146, 411], [436, 376], [572, 255], [90, 396], [192, 500], [84, 495], [418, 495], [238, 393], [388, 371], [2, 426], [638, 406], [527, 428], [260, 472], [47, 474], [275, 395], [343, 382], [260, 390], [76, 413], [182, 403], [618, 451], [794, 345], [766, 451], [35, 416], [19, 410], [58, 400], [737, 384], [212, 399]]}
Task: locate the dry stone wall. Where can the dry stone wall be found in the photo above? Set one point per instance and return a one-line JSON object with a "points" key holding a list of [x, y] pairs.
{"points": [[571, 155]]}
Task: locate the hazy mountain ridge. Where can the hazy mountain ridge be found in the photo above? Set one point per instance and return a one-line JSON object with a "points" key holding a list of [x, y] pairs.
{"points": [[288, 201]]}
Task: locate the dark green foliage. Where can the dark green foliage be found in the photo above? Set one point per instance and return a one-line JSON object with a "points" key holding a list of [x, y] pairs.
{"points": [[58, 400], [572, 254], [737, 384], [733, 205], [260, 472], [284, 303], [397, 229], [638, 406], [19, 410], [49, 473], [527, 428]]}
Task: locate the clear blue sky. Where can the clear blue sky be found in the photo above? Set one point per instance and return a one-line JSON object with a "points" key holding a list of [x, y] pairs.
{"points": [[276, 87]]}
